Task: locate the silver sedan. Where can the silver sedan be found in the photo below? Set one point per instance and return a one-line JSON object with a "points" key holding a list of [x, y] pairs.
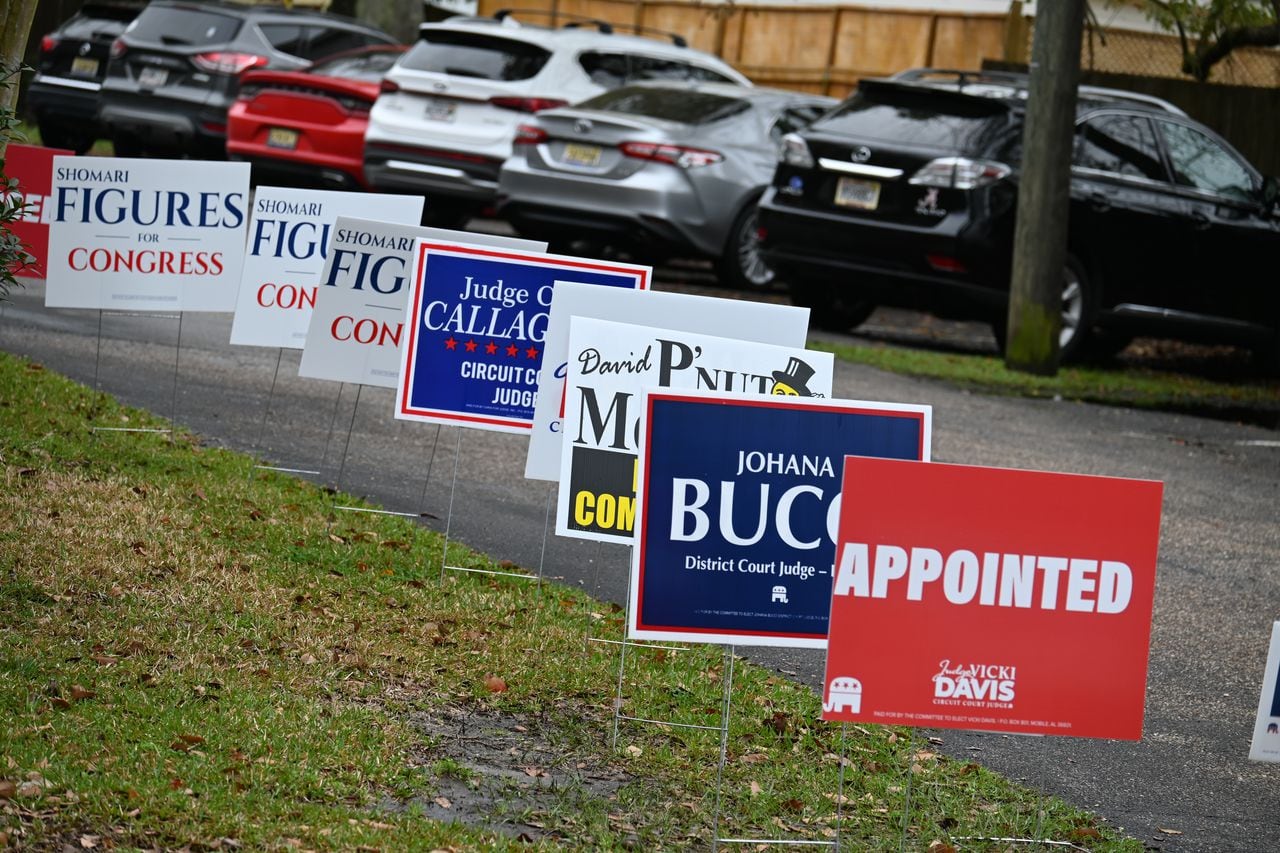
{"points": [[656, 169]]}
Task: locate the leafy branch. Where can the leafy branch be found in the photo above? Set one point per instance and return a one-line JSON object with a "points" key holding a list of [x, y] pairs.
{"points": [[13, 254], [1210, 31]]}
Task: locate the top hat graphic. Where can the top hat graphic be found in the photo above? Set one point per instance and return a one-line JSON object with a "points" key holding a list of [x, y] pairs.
{"points": [[793, 382]]}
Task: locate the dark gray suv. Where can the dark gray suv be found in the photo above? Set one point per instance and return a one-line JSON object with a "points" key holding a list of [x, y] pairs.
{"points": [[173, 73]]}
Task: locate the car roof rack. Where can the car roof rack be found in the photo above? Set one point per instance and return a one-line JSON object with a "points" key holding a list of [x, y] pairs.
{"points": [[579, 21], [1138, 97]]}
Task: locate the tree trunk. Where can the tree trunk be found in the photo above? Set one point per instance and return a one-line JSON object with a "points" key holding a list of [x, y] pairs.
{"points": [[13, 44], [1040, 236]]}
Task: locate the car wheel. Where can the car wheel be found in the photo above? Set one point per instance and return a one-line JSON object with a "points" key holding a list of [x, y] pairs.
{"points": [[742, 266], [1074, 337], [60, 136], [829, 310], [125, 145]]}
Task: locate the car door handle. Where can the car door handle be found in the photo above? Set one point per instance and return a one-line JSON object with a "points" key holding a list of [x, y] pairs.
{"points": [[1200, 220], [1100, 202]]}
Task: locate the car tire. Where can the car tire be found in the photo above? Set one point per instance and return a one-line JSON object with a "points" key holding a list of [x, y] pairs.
{"points": [[126, 145], [829, 310], [1075, 337], [60, 136], [742, 265]]}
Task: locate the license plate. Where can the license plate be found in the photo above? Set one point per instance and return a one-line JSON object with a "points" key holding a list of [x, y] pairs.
{"points": [[577, 154], [441, 110], [282, 137], [85, 66], [150, 78], [852, 192]]}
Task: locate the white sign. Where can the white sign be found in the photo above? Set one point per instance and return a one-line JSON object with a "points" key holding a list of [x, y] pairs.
{"points": [[1266, 731], [609, 366], [289, 234], [358, 319], [146, 235], [782, 325]]}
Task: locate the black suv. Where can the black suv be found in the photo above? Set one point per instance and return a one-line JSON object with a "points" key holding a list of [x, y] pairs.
{"points": [[906, 194], [63, 95], [173, 73]]}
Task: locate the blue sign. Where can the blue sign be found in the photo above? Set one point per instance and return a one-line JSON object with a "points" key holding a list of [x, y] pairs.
{"points": [[740, 506], [476, 322]]}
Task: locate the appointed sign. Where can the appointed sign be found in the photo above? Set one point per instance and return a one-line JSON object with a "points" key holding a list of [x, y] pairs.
{"points": [[992, 598]]}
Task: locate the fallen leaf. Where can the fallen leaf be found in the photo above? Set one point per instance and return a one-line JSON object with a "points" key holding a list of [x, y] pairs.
{"points": [[7, 789], [1169, 831], [29, 789], [60, 703], [191, 739], [88, 842], [756, 789], [793, 805], [103, 660], [635, 751], [495, 684], [443, 802], [333, 537], [80, 694], [535, 772], [754, 758], [1085, 833], [940, 847]]}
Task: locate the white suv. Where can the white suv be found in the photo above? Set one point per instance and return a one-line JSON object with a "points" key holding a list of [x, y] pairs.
{"points": [[449, 108]]}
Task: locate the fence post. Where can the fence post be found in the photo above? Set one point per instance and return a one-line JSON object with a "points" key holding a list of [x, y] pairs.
{"points": [[1017, 34]]}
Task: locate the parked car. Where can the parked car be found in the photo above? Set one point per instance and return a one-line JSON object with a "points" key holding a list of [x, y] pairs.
{"points": [[906, 195], [449, 108], [63, 95], [307, 127], [173, 72], [671, 167]]}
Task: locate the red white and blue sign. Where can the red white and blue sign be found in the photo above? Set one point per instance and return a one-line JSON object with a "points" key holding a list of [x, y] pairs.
{"points": [[739, 499], [992, 598], [32, 167], [476, 320]]}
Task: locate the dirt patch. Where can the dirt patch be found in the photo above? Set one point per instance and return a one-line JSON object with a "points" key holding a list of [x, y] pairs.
{"points": [[509, 773]]}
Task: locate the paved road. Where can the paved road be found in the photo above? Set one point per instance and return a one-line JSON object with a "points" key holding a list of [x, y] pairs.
{"points": [[1219, 576]]}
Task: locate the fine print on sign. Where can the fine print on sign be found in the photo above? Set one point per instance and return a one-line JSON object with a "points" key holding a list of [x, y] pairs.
{"points": [[610, 365], [738, 502], [992, 599], [476, 319], [289, 234], [32, 167], [358, 319], [1266, 729], [146, 235], [781, 325]]}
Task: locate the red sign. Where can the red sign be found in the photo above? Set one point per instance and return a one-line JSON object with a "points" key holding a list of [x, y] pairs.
{"points": [[32, 166], [992, 599]]}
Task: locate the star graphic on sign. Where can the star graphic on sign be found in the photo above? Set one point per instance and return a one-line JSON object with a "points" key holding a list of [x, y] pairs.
{"points": [[450, 343], [511, 350], [491, 348], [471, 346], [531, 353]]}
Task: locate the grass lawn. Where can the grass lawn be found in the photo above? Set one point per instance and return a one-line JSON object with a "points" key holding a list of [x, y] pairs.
{"points": [[199, 654]]}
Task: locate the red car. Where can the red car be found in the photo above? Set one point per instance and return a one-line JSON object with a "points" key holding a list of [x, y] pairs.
{"points": [[307, 127]]}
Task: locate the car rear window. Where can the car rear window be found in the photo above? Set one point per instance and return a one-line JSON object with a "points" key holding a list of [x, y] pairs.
{"points": [[916, 117], [475, 55], [678, 105], [184, 25], [95, 21]]}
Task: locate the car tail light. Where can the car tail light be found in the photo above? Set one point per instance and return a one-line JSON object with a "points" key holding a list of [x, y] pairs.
{"points": [[118, 49], [794, 151], [676, 155], [959, 173], [388, 86], [946, 263], [227, 62], [527, 134], [214, 126], [527, 105], [47, 44]]}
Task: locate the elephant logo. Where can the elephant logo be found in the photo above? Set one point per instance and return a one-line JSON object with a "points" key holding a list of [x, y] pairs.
{"points": [[843, 692]]}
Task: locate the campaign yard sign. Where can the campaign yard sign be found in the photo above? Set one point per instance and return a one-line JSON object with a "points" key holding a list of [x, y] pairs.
{"points": [[738, 501], [146, 235], [991, 598], [1266, 729], [610, 365], [358, 319], [289, 233], [32, 167], [781, 325], [476, 320]]}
